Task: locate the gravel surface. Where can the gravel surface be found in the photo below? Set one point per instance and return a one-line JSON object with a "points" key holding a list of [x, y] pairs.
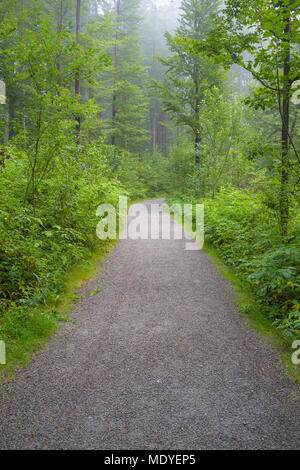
{"points": [[159, 358]]}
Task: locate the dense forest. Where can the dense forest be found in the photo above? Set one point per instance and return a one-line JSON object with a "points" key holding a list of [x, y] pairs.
{"points": [[195, 101]]}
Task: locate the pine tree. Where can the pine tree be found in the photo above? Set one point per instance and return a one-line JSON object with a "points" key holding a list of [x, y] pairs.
{"points": [[269, 33], [188, 75], [129, 79], [158, 19]]}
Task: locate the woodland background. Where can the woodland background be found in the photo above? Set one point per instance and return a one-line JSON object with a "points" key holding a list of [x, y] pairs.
{"points": [[147, 99]]}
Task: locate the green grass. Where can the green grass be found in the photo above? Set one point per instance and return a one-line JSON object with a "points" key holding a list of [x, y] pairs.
{"points": [[25, 334], [81, 274]]}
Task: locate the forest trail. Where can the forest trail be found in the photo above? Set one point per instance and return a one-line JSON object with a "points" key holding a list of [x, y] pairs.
{"points": [[159, 358]]}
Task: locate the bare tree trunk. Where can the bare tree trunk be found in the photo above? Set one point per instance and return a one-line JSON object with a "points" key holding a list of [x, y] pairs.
{"points": [[197, 139], [284, 190], [114, 98], [77, 77], [197, 136], [164, 140], [7, 123], [197, 142], [59, 28], [154, 130], [60, 17], [153, 110]]}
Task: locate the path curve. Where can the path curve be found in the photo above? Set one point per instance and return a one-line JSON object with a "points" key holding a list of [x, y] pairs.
{"points": [[159, 359]]}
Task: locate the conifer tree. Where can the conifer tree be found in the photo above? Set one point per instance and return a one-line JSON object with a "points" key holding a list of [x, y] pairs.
{"points": [[187, 75], [130, 79]]}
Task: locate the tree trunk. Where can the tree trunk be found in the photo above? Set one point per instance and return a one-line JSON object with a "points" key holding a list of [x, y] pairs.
{"points": [[153, 128], [114, 98], [60, 18], [77, 76], [284, 190], [197, 140], [7, 122]]}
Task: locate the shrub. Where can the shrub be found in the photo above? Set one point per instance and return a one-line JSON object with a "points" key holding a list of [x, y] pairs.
{"points": [[246, 233]]}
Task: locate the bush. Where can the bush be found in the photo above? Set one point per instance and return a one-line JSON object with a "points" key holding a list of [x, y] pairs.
{"points": [[40, 241], [246, 232]]}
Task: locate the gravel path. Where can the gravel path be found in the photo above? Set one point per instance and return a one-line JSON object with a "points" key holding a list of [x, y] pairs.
{"points": [[159, 359]]}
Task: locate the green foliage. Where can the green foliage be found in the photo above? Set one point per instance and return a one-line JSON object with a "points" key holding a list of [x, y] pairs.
{"points": [[180, 165], [263, 38], [39, 245], [52, 178], [53, 175], [144, 175], [124, 94], [223, 153], [222, 158], [246, 234], [188, 76]]}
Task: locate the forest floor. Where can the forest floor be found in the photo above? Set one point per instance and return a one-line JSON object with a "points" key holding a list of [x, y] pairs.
{"points": [[158, 358]]}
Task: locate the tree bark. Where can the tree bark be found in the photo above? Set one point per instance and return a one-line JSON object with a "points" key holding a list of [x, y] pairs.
{"points": [[7, 122], [197, 139], [77, 76], [285, 116], [60, 18], [114, 98]]}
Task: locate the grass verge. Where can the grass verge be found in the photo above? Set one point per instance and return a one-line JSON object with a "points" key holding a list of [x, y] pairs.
{"points": [[25, 334]]}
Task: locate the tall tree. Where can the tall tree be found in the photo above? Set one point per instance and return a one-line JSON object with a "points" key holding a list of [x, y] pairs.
{"points": [[77, 76], [114, 97], [158, 18], [129, 79], [263, 38], [188, 75]]}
